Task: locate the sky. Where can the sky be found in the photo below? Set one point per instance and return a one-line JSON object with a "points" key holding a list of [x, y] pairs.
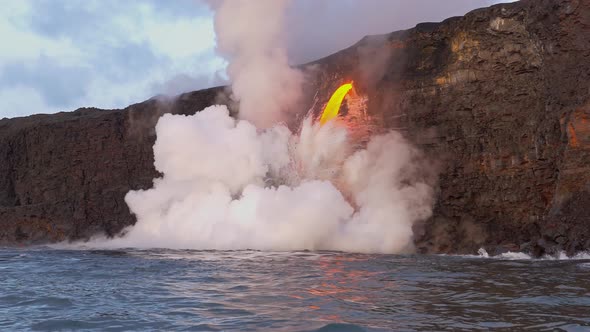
{"points": [[59, 55]]}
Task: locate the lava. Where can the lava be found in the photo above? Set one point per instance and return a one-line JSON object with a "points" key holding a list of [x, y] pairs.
{"points": [[332, 108]]}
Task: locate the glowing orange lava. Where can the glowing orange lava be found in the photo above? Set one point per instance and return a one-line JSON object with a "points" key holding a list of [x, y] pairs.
{"points": [[333, 106]]}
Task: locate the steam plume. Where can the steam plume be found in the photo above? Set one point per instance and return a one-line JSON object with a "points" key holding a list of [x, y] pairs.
{"points": [[251, 183], [219, 189], [250, 36]]}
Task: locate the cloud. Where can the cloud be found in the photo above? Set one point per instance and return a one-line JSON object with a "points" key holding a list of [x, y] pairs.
{"points": [[183, 83], [22, 100], [105, 53], [55, 82]]}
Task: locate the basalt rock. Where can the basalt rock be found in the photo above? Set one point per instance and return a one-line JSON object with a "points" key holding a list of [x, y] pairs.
{"points": [[499, 100], [64, 176]]}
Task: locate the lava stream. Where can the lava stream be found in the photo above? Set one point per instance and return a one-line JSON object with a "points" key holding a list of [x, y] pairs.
{"points": [[332, 108]]}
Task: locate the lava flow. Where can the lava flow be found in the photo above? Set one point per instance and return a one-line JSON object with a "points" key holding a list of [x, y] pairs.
{"points": [[332, 108]]}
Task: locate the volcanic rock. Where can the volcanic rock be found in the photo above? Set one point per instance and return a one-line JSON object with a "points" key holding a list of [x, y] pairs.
{"points": [[64, 176], [501, 99], [498, 98]]}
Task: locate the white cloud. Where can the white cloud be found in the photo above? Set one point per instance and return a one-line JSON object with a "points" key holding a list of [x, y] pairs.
{"points": [[181, 38], [23, 44], [124, 48], [21, 101]]}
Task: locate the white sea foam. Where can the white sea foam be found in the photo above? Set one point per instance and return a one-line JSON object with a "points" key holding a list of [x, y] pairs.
{"points": [[510, 255]]}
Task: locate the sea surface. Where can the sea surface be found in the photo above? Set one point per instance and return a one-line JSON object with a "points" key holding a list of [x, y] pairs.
{"points": [[46, 289]]}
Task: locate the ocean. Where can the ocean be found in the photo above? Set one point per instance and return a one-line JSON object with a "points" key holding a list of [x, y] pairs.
{"points": [[48, 289]]}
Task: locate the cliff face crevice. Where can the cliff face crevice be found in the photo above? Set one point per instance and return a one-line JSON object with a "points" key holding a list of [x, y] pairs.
{"points": [[499, 98]]}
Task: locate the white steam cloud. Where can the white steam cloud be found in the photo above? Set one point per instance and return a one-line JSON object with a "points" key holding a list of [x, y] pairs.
{"points": [[227, 185], [251, 183], [251, 38]]}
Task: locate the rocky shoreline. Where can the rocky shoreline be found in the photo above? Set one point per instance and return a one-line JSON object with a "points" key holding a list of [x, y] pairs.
{"points": [[501, 98]]}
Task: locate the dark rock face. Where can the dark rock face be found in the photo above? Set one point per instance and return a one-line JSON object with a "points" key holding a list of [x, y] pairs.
{"points": [[65, 176], [499, 98]]}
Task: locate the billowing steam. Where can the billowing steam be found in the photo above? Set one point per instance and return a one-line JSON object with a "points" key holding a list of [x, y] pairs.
{"points": [[251, 38], [227, 185], [251, 183]]}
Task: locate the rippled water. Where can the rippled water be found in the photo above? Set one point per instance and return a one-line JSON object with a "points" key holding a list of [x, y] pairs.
{"points": [[47, 289]]}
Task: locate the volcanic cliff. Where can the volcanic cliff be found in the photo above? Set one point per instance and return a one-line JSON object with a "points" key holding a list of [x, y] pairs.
{"points": [[499, 99]]}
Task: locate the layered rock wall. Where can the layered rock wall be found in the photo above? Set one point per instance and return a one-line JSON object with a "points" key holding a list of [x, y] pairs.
{"points": [[500, 99], [64, 176]]}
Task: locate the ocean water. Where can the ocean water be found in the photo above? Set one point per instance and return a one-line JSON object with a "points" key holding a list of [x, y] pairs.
{"points": [[44, 289]]}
